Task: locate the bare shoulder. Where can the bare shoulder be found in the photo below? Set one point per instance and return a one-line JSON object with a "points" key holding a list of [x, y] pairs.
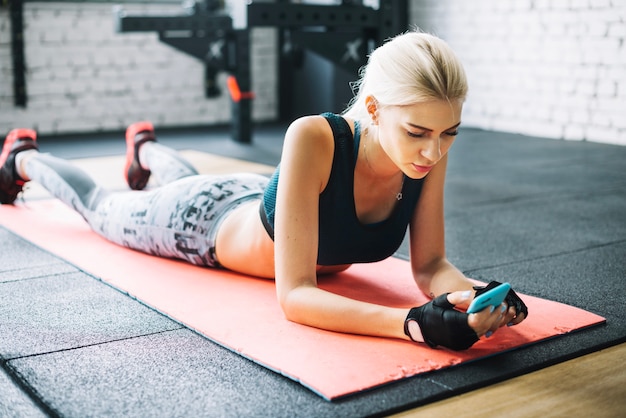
{"points": [[308, 149], [309, 129], [313, 136]]}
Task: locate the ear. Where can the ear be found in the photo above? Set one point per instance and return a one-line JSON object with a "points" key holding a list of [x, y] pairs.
{"points": [[371, 104]]}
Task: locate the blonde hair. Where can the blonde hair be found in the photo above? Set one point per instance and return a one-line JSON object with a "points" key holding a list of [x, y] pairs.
{"points": [[410, 68]]}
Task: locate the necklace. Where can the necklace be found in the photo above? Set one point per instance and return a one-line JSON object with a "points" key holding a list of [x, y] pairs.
{"points": [[367, 161]]}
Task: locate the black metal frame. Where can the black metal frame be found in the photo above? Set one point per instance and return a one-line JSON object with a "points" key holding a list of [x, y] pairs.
{"points": [[16, 14], [206, 32], [343, 34]]}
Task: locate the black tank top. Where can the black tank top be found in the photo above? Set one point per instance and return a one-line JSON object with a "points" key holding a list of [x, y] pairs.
{"points": [[343, 239]]}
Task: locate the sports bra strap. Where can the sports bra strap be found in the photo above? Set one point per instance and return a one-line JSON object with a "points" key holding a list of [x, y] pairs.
{"points": [[343, 133]]}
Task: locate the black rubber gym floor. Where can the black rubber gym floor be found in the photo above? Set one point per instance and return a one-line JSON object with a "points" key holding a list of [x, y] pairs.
{"points": [[548, 216]]}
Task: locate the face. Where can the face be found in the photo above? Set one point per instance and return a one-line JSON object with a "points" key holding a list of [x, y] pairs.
{"points": [[416, 137]]}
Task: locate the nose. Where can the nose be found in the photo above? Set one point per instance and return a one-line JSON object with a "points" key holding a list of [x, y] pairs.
{"points": [[432, 150]]}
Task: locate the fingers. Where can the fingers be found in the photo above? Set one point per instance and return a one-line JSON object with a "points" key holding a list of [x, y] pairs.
{"points": [[517, 319], [460, 299], [512, 318], [487, 321], [509, 317]]}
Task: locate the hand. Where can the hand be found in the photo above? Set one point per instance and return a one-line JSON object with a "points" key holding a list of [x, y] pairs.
{"points": [[485, 322], [441, 324], [516, 308]]}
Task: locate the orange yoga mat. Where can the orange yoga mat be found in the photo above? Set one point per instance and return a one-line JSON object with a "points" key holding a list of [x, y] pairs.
{"points": [[242, 314]]}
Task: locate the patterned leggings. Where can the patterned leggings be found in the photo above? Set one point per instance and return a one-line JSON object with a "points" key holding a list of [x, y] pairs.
{"points": [[179, 219]]}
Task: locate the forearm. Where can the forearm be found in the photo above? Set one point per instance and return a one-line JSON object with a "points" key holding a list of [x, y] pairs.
{"points": [[441, 277], [318, 308]]}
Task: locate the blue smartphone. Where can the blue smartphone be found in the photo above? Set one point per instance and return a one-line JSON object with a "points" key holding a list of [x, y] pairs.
{"points": [[493, 297]]}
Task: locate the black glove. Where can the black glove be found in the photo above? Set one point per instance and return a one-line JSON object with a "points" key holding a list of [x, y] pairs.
{"points": [[441, 324], [511, 298]]}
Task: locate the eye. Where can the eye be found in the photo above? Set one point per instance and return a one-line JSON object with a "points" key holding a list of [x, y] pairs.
{"points": [[453, 133], [416, 134]]}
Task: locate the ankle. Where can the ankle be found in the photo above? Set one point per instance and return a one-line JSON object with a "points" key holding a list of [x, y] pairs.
{"points": [[143, 154], [21, 159]]}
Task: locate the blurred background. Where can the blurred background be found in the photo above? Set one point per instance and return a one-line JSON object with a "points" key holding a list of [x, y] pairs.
{"points": [[545, 68]]}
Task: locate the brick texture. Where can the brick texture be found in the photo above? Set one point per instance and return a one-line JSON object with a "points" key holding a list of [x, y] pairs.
{"points": [[547, 68], [82, 76]]}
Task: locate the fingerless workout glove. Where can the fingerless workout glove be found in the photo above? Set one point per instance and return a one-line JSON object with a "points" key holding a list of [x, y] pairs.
{"points": [[441, 324], [511, 298]]}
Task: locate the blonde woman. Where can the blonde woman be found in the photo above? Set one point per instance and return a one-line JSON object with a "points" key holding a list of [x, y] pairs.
{"points": [[347, 188]]}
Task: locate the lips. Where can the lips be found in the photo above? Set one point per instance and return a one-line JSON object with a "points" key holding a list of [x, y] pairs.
{"points": [[422, 168]]}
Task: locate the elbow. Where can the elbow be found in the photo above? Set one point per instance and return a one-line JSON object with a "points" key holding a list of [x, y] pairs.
{"points": [[300, 304], [290, 311], [291, 315], [290, 304]]}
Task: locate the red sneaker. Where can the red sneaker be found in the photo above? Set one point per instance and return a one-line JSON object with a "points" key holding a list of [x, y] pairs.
{"points": [[10, 183], [136, 134]]}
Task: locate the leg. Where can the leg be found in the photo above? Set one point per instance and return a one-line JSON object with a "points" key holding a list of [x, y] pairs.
{"points": [[165, 164], [66, 182], [177, 220], [16, 142], [20, 162], [144, 156]]}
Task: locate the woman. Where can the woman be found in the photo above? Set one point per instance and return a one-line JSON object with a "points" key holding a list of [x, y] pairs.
{"points": [[345, 191]]}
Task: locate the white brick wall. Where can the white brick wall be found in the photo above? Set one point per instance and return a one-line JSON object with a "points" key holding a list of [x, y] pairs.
{"points": [[548, 68], [83, 76]]}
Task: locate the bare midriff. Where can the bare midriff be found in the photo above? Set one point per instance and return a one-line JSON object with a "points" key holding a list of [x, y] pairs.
{"points": [[243, 245]]}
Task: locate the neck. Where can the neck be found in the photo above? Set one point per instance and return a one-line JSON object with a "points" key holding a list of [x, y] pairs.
{"points": [[376, 159]]}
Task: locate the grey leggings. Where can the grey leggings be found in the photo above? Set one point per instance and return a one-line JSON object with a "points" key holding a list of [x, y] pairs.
{"points": [[179, 219]]}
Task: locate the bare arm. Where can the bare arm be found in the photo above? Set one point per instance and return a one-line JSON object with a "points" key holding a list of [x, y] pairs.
{"points": [[433, 273], [305, 169]]}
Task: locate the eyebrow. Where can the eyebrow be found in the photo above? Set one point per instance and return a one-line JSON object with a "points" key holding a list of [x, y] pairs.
{"points": [[430, 130]]}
